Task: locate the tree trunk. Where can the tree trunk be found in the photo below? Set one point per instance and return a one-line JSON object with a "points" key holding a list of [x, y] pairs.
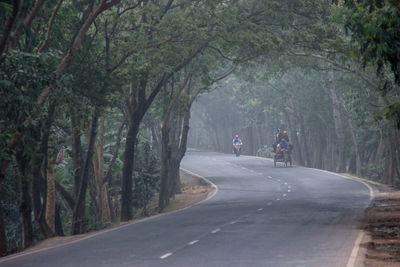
{"points": [[106, 214], [165, 165], [79, 224], [303, 142], [356, 148], [58, 222], [3, 238], [175, 136], [65, 62], [38, 193], [379, 155], [182, 147], [100, 188], [25, 207], [250, 140], [127, 171], [394, 143], [295, 140], [76, 151], [51, 193], [337, 119], [137, 106]]}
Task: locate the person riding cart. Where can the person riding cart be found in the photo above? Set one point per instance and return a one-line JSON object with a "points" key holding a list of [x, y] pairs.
{"points": [[282, 149]]}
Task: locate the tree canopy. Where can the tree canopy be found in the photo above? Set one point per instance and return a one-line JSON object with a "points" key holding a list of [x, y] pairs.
{"points": [[97, 98]]}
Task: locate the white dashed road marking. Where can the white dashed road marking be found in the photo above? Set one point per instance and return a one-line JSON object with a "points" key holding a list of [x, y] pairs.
{"points": [[165, 256], [260, 209], [270, 177], [215, 231], [193, 242]]}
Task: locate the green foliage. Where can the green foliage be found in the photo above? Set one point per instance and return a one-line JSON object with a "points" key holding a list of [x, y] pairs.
{"points": [[10, 200], [275, 85], [374, 171], [392, 112], [23, 76], [375, 26]]}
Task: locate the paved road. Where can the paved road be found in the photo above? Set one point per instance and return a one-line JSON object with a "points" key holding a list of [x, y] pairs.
{"points": [[260, 216]]}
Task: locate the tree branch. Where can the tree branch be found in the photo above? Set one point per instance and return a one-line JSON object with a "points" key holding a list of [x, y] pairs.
{"points": [[108, 175], [222, 54], [27, 22], [53, 15], [334, 63], [7, 29]]}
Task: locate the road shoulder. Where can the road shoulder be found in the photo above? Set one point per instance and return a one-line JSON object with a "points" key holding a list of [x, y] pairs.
{"points": [[380, 245]]}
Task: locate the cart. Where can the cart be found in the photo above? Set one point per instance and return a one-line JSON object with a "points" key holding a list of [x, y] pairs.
{"points": [[284, 156]]}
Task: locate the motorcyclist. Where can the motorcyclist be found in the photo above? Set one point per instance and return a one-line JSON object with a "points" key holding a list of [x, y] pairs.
{"points": [[236, 141]]}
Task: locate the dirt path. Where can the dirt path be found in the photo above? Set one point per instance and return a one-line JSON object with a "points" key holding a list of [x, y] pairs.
{"points": [[381, 223]]}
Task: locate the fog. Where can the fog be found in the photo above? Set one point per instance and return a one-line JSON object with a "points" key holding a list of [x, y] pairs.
{"points": [[329, 114]]}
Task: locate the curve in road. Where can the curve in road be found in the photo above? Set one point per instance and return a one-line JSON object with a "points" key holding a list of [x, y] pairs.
{"points": [[261, 216]]}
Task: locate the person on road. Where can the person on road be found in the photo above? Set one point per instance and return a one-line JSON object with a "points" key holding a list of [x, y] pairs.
{"points": [[285, 136], [237, 141], [284, 144], [278, 136]]}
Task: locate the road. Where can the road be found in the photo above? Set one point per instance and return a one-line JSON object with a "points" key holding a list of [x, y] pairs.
{"points": [[260, 216]]}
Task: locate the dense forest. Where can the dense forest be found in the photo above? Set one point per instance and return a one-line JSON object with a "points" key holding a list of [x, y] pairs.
{"points": [[98, 96]]}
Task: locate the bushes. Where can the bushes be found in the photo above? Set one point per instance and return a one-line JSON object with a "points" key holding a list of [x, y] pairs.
{"points": [[146, 178], [373, 171]]}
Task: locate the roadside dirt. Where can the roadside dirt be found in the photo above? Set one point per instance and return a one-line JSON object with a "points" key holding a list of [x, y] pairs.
{"points": [[382, 224], [194, 190]]}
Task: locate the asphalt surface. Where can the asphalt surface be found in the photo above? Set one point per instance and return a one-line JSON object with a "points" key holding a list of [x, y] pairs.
{"points": [[260, 216]]}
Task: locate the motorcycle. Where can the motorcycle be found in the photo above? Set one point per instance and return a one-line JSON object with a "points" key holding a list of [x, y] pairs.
{"points": [[237, 149]]}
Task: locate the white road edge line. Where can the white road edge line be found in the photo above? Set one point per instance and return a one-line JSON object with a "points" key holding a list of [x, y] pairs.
{"points": [[165, 256], [193, 242], [354, 252], [208, 181]]}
